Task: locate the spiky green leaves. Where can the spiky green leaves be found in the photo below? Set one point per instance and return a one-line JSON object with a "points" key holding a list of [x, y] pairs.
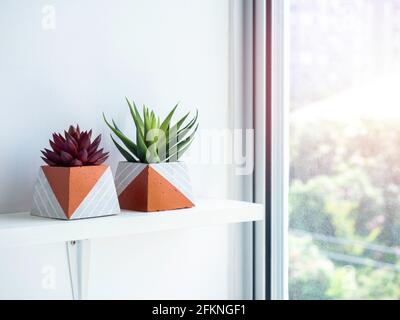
{"points": [[156, 141]]}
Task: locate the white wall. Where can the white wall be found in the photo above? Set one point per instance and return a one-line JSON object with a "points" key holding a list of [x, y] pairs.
{"points": [[155, 51]]}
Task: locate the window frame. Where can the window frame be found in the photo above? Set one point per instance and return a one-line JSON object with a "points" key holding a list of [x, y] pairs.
{"points": [[271, 176]]}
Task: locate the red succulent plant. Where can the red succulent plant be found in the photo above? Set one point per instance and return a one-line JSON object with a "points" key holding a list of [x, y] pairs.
{"points": [[74, 149]]}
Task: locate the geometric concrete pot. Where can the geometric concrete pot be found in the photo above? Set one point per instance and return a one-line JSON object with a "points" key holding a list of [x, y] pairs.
{"points": [[75, 193], [153, 187]]}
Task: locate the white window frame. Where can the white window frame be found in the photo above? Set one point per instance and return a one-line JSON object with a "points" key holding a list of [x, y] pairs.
{"points": [[270, 238], [280, 149]]}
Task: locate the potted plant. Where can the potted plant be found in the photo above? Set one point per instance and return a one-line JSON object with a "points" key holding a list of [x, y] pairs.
{"points": [[74, 184], [152, 178]]}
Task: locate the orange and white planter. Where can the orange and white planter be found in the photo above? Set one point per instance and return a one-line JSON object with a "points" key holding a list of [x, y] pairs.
{"points": [[153, 187], [75, 193]]}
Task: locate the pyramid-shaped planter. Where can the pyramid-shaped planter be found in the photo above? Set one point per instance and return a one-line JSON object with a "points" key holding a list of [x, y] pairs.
{"points": [[75, 193], [153, 187]]}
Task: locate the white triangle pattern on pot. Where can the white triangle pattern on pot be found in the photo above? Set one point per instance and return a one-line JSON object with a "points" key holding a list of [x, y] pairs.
{"points": [[102, 200], [45, 203], [126, 173], [177, 174]]}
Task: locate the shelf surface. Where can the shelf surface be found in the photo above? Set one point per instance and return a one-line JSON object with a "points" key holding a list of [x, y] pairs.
{"points": [[23, 229]]}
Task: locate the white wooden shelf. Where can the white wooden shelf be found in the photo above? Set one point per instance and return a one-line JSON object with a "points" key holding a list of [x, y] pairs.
{"points": [[23, 229]]}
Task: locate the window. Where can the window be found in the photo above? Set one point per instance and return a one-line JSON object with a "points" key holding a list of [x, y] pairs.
{"points": [[344, 189]]}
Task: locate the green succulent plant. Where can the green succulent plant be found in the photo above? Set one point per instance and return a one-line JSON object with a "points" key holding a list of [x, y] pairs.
{"points": [[156, 141]]}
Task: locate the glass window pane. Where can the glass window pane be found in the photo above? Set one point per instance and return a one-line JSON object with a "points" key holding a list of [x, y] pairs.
{"points": [[344, 201]]}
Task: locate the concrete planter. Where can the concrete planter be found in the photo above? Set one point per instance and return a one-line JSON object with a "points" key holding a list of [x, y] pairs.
{"points": [[75, 193], [153, 187]]}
